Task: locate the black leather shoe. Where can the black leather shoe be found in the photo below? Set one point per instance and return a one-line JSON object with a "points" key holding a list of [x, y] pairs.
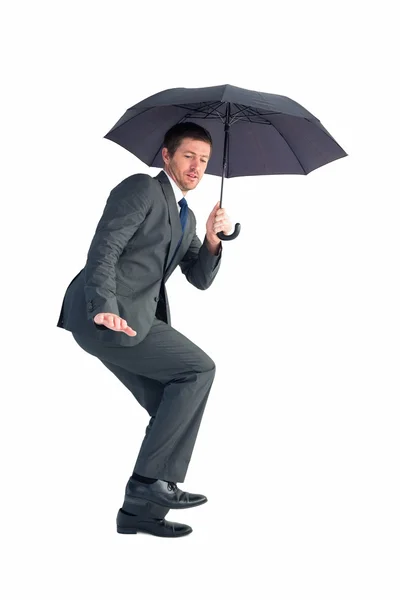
{"points": [[155, 499], [127, 523]]}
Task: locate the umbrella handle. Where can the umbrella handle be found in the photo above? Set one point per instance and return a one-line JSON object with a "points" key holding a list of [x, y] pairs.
{"points": [[232, 236]]}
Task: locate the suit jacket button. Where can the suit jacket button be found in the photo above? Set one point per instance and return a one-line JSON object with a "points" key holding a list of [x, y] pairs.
{"points": [[156, 299]]}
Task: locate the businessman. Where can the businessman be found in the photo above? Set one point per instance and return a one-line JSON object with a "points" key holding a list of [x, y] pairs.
{"points": [[117, 310]]}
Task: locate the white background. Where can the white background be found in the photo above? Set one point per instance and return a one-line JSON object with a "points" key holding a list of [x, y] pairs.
{"points": [[298, 451]]}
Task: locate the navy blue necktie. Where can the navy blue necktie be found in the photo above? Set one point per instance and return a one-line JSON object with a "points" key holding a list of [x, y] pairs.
{"points": [[184, 213]]}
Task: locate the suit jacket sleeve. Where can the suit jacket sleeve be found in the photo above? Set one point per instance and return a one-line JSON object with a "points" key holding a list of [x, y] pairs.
{"points": [[125, 210], [199, 265]]}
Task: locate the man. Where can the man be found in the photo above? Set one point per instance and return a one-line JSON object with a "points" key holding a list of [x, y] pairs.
{"points": [[117, 310]]}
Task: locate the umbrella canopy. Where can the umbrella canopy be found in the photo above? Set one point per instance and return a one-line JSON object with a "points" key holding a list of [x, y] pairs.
{"points": [[253, 133]]}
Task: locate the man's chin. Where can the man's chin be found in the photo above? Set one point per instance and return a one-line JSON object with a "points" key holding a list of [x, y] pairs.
{"points": [[189, 187]]}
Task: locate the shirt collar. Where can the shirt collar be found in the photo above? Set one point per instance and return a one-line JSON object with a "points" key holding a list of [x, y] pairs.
{"points": [[178, 192]]}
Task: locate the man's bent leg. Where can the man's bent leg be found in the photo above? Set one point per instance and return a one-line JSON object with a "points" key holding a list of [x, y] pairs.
{"points": [[185, 373], [167, 449]]}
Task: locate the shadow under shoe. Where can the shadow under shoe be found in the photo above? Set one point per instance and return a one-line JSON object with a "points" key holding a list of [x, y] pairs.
{"points": [[127, 523]]}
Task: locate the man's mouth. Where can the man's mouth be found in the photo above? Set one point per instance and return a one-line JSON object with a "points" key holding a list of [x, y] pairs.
{"points": [[192, 176]]}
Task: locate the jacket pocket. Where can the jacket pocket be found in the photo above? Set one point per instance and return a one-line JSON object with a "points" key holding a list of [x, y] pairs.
{"points": [[122, 289]]}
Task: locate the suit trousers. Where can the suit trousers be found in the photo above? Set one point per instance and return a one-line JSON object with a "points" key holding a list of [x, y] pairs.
{"points": [[171, 378]]}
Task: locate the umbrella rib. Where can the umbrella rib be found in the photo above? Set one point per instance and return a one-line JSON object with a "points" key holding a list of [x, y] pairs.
{"points": [[130, 119], [162, 143], [213, 107], [180, 121], [254, 112], [238, 116], [216, 103], [249, 111], [257, 113], [291, 149]]}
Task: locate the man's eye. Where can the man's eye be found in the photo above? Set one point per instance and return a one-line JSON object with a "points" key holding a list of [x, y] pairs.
{"points": [[203, 160]]}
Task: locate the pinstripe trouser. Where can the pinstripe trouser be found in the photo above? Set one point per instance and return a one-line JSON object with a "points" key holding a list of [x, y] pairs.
{"points": [[171, 378]]}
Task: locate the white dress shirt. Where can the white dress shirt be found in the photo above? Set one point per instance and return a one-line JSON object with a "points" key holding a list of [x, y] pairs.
{"points": [[177, 191], [179, 195]]}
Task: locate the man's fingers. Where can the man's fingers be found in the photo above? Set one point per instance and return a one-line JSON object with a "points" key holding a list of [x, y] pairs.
{"points": [[214, 210], [129, 331], [118, 324], [114, 322], [109, 320]]}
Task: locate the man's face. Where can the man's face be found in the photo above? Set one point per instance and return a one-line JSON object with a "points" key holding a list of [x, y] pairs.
{"points": [[186, 167]]}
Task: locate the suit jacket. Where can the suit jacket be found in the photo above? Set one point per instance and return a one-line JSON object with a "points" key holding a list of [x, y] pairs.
{"points": [[131, 257]]}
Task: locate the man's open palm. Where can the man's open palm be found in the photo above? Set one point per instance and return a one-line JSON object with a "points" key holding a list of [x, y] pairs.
{"points": [[114, 322]]}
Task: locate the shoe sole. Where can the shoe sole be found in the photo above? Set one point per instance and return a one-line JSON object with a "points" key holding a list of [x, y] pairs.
{"points": [[122, 518]]}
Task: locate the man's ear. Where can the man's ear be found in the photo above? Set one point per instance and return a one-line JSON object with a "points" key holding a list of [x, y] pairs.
{"points": [[165, 155]]}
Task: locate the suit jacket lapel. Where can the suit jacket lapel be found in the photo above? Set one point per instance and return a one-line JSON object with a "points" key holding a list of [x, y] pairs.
{"points": [[174, 220]]}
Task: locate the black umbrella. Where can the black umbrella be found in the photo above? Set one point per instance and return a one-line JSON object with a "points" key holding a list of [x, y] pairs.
{"points": [[253, 133]]}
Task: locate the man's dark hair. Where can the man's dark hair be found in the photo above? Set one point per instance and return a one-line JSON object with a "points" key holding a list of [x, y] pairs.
{"points": [[178, 132]]}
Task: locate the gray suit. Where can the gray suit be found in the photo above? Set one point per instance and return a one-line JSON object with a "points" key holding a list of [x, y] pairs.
{"points": [[131, 257]]}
